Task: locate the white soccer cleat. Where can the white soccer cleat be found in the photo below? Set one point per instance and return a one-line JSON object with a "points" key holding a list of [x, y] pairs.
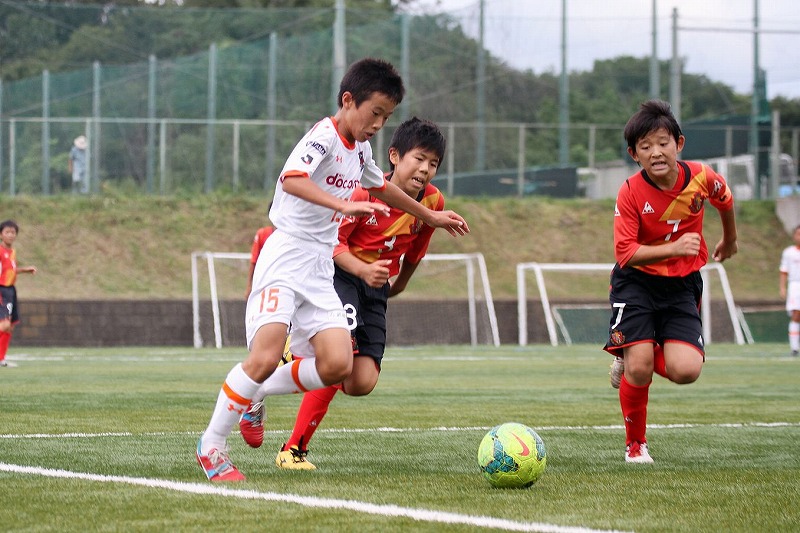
{"points": [[636, 452]]}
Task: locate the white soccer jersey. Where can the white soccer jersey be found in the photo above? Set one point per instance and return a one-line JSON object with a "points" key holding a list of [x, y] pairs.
{"points": [[790, 263], [333, 165]]}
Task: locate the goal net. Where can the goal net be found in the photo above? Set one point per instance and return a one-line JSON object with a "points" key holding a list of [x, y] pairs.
{"points": [[575, 308], [448, 301]]}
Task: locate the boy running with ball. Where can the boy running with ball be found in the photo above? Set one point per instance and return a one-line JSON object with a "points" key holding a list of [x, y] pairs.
{"points": [[293, 278]]}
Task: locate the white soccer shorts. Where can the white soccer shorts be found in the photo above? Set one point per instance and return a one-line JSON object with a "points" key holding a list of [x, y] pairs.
{"points": [[793, 297], [293, 284]]}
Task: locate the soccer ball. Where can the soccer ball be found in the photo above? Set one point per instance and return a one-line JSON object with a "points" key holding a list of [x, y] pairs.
{"points": [[512, 455]]}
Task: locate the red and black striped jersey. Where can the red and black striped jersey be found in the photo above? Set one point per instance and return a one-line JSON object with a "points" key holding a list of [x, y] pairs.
{"points": [[388, 237], [647, 215]]}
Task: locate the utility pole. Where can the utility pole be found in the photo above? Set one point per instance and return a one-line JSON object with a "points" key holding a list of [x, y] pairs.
{"points": [[563, 104], [754, 104], [480, 96], [339, 54], [655, 81], [675, 70]]}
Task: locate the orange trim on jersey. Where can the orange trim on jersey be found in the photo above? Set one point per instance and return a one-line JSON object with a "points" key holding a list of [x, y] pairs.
{"points": [[229, 392], [347, 144], [294, 174], [296, 376], [381, 188]]}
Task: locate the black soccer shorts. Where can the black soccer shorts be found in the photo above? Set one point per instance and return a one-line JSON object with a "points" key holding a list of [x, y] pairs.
{"points": [[648, 308], [8, 304], [365, 308]]}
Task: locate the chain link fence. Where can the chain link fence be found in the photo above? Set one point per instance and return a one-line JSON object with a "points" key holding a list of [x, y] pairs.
{"points": [[225, 117]]}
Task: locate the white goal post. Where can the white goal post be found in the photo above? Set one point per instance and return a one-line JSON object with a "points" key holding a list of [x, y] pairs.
{"points": [[474, 264], [212, 285], [549, 314]]}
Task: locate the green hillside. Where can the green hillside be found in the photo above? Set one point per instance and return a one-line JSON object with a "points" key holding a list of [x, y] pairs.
{"points": [[109, 246]]}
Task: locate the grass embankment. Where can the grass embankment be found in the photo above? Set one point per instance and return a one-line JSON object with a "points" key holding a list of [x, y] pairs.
{"points": [[139, 247]]}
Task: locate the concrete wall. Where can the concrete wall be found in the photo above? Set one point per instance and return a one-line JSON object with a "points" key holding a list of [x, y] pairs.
{"points": [[169, 323]]}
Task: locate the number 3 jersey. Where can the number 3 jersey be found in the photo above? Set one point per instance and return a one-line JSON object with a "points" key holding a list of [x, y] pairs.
{"points": [[647, 215], [380, 237]]}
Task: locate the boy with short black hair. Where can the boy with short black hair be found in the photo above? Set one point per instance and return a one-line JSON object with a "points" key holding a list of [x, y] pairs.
{"points": [[659, 248], [368, 255], [293, 279]]}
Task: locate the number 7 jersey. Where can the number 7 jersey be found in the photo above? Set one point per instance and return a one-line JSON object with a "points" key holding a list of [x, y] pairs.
{"points": [[647, 215]]}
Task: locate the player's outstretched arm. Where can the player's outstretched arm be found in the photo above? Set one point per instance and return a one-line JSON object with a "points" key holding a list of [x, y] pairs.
{"points": [[449, 220], [307, 190]]}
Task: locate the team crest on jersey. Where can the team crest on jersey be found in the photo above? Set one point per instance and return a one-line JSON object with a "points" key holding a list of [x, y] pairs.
{"points": [[617, 337], [647, 209], [416, 227], [696, 205], [361, 160], [307, 159]]}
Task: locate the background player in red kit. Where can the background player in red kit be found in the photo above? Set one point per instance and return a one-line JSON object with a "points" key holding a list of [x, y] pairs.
{"points": [[259, 239], [368, 254], [9, 313], [659, 250]]}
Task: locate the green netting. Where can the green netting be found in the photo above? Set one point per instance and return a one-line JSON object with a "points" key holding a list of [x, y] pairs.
{"points": [[767, 326], [583, 325]]}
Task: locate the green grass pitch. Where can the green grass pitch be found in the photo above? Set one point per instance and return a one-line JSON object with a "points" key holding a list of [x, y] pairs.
{"points": [[103, 440]]}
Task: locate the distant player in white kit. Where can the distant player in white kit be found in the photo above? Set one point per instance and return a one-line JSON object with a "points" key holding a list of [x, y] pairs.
{"points": [[293, 278], [790, 289]]}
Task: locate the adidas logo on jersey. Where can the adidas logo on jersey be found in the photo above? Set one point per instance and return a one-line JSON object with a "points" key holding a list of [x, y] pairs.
{"points": [[648, 209]]}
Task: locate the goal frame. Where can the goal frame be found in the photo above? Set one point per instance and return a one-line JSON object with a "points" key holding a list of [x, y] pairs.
{"points": [[475, 264], [540, 268]]}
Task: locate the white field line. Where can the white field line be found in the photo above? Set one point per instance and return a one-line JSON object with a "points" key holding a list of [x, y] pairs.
{"points": [[610, 427], [422, 515]]}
